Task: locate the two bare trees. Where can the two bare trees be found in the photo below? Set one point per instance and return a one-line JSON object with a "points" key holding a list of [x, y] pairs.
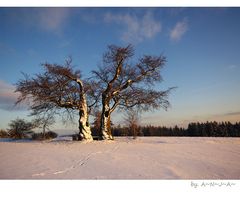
{"points": [[119, 83]]}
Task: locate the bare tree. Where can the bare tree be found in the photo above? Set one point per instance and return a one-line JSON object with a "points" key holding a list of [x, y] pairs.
{"points": [[57, 90], [43, 120], [126, 84], [131, 119], [19, 128]]}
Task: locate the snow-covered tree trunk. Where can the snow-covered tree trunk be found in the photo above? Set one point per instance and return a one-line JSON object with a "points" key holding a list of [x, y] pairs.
{"points": [[105, 128], [84, 127]]}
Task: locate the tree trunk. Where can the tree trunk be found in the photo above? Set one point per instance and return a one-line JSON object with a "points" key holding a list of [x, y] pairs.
{"points": [[105, 129], [84, 127]]}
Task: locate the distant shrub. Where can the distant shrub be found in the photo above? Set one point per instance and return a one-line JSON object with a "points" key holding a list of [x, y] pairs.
{"points": [[3, 133], [19, 128], [36, 136], [76, 137], [51, 135], [41, 136]]}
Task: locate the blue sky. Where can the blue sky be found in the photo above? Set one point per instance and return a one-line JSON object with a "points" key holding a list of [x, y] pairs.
{"points": [[201, 45]]}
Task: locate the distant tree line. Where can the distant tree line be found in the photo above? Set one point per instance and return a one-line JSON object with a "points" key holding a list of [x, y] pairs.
{"points": [[207, 129], [223, 129], [20, 128]]}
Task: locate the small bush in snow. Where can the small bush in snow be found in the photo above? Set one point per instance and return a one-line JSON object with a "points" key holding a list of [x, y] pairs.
{"points": [[76, 137], [47, 135], [3, 133], [19, 128]]}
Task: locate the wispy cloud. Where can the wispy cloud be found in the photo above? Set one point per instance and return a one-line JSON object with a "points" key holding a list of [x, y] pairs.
{"points": [[231, 113], [64, 43], [8, 97], [46, 19], [175, 11], [137, 29], [231, 116], [179, 30], [52, 19], [6, 49], [232, 66]]}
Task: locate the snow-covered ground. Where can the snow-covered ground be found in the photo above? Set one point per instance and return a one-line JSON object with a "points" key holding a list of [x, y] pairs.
{"points": [[124, 158]]}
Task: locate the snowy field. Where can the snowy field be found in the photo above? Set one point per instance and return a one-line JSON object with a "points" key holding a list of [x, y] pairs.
{"points": [[124, 158]]}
